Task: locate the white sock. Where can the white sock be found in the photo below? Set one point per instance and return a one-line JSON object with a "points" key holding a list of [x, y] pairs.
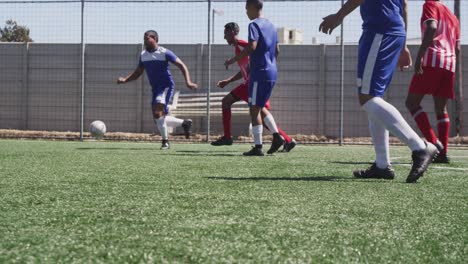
{"points": [[257, 132], [269, 121], [380, 140], [162, 127], [173, 121], [394, 122]]}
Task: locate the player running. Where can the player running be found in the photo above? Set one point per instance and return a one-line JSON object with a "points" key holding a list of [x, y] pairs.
{"points": [[231, 32], [155, 60], [435, 72], [263, 49], [382, 46]]}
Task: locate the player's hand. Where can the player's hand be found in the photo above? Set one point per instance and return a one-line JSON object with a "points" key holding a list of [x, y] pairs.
{"points": [[404, 62], [223, 83], [191, 85], [418, 65], [229, 62], [329, 23], [121, 80]]}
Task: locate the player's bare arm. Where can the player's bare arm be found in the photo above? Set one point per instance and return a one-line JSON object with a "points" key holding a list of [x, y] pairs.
{"points": [[223, 83], [429, 34], [133, 76], [405, 56], [332, 21], [183, 68], [245, 53]]}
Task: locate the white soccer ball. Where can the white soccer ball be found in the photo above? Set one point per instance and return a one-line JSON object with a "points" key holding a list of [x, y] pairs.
{"points": [[97, 129]]}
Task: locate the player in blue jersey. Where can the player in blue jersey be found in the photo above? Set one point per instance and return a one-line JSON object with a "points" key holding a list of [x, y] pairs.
{"points": [[381, 47], [263, 49], [155, 60]]}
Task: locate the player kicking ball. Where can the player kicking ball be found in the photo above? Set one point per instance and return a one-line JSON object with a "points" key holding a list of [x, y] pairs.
{"points": [[231, 32], [263, 50], [155, 60], [382, 46]]}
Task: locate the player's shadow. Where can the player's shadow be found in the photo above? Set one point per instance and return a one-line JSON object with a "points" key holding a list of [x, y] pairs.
{"points": [[316, 178], [198, 153], [115, 149], [364, 163]]}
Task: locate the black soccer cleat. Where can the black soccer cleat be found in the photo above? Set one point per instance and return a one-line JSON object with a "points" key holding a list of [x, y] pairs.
{"points": [[374, 172], [277, 142], [255, 151], [222, 141], [165, 144], [442, 159], [288, 146], [187, 125], [421, 160]]}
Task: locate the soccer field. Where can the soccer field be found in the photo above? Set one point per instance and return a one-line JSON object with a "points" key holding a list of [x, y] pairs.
{"points": [[131, 202]]}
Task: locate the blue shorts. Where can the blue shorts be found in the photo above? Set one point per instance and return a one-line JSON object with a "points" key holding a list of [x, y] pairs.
{"points": [[260, 92], [377, 59], [162, 96]]}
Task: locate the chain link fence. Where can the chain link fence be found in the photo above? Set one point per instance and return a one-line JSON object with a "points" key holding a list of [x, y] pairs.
{"points": [[66, 76]]}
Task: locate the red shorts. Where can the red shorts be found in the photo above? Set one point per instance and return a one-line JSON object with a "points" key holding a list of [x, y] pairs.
{"points": [[434, 81], [242, 92]]}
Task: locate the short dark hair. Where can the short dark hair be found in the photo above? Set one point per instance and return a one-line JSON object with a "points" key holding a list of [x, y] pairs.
{"points": [[152, 33], [232, 26], [257, 3]]}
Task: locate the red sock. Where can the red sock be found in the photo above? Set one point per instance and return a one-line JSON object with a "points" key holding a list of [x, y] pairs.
{"points": [[443, 127], [423, 124], [227, 122], [284, 135]]}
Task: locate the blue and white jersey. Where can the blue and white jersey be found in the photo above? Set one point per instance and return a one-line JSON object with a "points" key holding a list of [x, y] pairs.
{"points": [[156, 65], [383, 17], [263, 58]]}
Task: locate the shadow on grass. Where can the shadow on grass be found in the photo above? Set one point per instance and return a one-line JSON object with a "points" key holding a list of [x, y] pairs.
{"points": [[364, 163], [117, 149], [317, 178]]}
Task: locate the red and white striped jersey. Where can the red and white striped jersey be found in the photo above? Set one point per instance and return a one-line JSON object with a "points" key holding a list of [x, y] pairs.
{"points": [[441, 53], [243, 63]]}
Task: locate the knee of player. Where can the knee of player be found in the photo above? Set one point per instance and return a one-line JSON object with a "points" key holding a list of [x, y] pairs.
{"points": [[226, 103], [410, 105]]}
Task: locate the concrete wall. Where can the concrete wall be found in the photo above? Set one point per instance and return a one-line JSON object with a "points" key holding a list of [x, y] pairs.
{"points": [[40, 88]]}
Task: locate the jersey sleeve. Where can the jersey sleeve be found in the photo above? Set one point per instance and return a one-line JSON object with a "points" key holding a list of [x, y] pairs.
{"points": [[430, 12], [253, 32], [170, 56]]}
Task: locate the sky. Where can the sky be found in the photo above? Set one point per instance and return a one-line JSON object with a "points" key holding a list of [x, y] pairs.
{"points": [[183, 22]]}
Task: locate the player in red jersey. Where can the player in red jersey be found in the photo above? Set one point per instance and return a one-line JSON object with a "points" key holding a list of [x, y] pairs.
{"points": [[435, 72], [231, 31]]}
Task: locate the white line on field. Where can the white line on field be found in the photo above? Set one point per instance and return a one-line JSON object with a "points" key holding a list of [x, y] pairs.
{"points": [[450, 156]]}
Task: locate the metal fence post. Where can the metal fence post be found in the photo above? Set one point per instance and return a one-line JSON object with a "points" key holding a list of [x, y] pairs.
{"points": [[82, 72], [208, 121]]}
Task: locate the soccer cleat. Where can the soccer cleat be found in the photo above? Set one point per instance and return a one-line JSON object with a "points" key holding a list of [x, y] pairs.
{"points": [[255, 151], [277, 142], [165, 145], [442, 159], [288, 146], [222, 141], [421, 160], [187, 125], [374, 172]]}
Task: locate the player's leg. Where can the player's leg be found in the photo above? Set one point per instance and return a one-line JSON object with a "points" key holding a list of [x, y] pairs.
{"points": [[270, 124], [257, 131], [413, 104], [289, 143], [159, 117], [377, 60], [171, 120], [443, 127], [226, 104], [422, 84], [381, 168], [443, 92]]}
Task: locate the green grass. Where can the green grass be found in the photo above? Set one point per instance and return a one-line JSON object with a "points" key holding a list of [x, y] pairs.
{"points": [[130, 202]]}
